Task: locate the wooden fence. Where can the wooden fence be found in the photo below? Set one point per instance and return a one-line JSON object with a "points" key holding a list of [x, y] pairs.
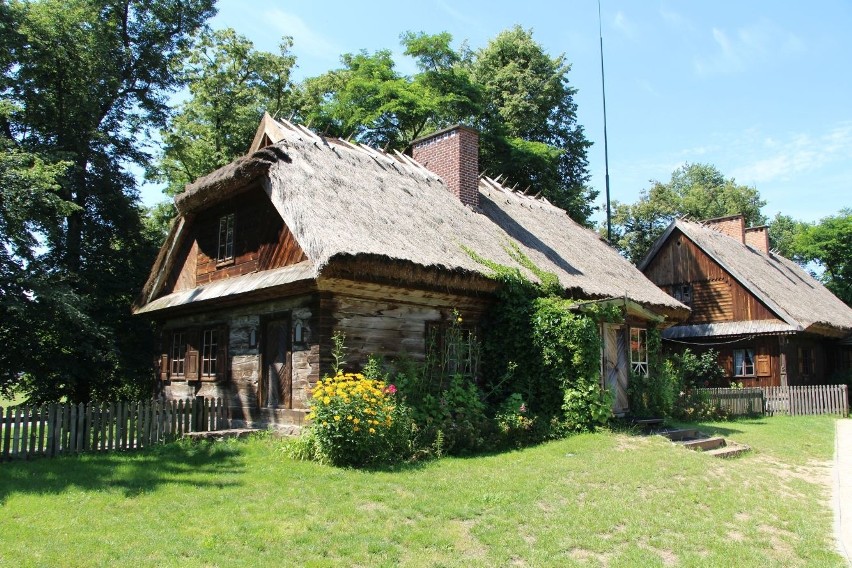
{"points": [[55, 429], [737, 402], [795, 401]]}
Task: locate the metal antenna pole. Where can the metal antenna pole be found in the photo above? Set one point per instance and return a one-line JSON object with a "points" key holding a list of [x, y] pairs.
{"points": [[606, 145]]}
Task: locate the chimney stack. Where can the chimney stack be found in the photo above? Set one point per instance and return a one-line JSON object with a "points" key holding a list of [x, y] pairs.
{"points": [[732, 225], [758, 238], [452, 154]]}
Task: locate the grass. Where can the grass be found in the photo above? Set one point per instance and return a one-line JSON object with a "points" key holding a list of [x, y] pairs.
{"points": [[605, 499], [6, 402]]}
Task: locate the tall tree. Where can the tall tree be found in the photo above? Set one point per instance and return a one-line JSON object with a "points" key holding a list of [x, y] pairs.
{"points": [[783, 233], [230, 84], [369, 100], [529, 124], [83, 81], [697, 191], [829, 244]]}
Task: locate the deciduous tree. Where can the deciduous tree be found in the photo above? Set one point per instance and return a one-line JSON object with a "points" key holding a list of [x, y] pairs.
{"points": [[829, 244], [82, 81], [697, 191]]}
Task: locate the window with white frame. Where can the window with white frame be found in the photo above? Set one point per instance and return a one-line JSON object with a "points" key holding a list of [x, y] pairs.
{"points": [[226, 238], [683, 293], [639, 350], [743, 362], [178, 354], [209, 353]]}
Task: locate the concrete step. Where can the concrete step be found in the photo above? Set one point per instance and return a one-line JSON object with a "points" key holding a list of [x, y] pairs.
{"points": [[733, 449], [704, 445], [221, 434], [682, 434]]}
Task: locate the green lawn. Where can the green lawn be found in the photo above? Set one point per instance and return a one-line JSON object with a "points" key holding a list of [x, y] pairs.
{"points": [[605, 499]]}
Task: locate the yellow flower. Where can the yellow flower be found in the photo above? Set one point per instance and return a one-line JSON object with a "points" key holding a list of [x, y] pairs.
{"points": [[326, 400], [372, 430], [349, 417], [356, 421], [336, 418], [356, 429]]}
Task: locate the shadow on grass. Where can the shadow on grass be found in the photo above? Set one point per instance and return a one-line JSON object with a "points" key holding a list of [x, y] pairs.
{"points": [[204, 464]]}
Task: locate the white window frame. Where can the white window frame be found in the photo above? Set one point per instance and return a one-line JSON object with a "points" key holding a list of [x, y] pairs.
{"points": [[225, 251], [743, 360], [639, 354]]}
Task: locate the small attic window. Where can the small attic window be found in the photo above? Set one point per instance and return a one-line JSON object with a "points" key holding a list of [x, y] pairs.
{"points": [[225, 252]]}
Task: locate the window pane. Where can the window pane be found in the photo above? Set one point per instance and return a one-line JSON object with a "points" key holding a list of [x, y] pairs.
{"points": [[209, 352]]}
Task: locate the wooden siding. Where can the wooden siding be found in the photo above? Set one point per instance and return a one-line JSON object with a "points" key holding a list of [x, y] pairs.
{"points": [[386, 320], [261, 242], [716, 295]]}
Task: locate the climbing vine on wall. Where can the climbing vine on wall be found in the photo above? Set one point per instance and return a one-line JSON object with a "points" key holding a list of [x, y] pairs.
{"points": [[539, 345]]}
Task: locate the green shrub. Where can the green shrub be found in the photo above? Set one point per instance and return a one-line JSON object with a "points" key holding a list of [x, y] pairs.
{"points": [[357, 421], [516, 425], [692, 373], [586, 407]]}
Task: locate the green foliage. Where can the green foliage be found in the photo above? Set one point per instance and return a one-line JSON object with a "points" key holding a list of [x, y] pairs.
{"points": [[515, 424], [529, 121], [829, 244], [231, 85], [698, 191], [783, 232], [338, 352], [356, 421], [81, 82], [691, 373]]}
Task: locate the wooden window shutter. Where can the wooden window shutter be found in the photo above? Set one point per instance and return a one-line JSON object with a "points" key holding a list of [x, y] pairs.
{"points": [[763, 367], [191, 371], [163, 359], [222, 354]]}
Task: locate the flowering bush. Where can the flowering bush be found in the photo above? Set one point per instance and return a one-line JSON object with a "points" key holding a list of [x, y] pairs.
{"points": [[515, 422], [358, 421]]}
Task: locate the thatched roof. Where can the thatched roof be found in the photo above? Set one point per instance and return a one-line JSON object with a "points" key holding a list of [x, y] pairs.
{"points": [[340, 200], [790, 292]]}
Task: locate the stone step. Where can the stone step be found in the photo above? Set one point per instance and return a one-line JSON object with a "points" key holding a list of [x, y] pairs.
{"points": [[682, 434], [705, 444], [733, 449], [221, 434]]}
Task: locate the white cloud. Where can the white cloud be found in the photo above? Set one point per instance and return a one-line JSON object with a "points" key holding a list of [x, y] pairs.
{"points": [[623, 24], [747, 47], [305, 40], [797, 155]]}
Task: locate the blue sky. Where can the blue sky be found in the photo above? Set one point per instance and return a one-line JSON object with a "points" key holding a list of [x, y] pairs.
{"points": [[760, 89]]}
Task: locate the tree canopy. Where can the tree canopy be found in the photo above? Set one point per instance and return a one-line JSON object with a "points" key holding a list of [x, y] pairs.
{"points": [[829, 245], [697, 191], [82, 81]]}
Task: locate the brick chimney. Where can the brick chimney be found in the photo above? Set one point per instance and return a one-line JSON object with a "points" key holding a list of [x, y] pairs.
{"points": [[452, 154], [758, 238], [732, 225]]}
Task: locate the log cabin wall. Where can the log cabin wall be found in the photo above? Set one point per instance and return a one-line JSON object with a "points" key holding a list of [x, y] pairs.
{"points": [[241, 385], [386, 320], [261, 241], [715, 295]]}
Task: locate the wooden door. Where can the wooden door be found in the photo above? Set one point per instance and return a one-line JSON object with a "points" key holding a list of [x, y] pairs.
{"points": [[615, 369], [277, 384]]}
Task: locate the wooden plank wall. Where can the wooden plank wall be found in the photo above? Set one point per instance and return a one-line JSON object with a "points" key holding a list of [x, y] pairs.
{"points": [[717, 296], [64, 428], [261, 241]]}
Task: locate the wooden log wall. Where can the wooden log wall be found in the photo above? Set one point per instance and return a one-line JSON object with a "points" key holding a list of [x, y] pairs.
{"points": [[717, 295], [64, 428]]}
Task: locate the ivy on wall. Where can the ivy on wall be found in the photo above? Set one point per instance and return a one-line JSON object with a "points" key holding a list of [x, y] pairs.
{"points": [[538, 345]]}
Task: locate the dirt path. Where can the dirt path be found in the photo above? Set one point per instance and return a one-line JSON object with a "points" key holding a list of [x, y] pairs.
{"points": [[843, 487]]}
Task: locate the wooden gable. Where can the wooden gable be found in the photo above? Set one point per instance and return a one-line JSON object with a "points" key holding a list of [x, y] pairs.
{"points": [[715, 295], [261, 241]]}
